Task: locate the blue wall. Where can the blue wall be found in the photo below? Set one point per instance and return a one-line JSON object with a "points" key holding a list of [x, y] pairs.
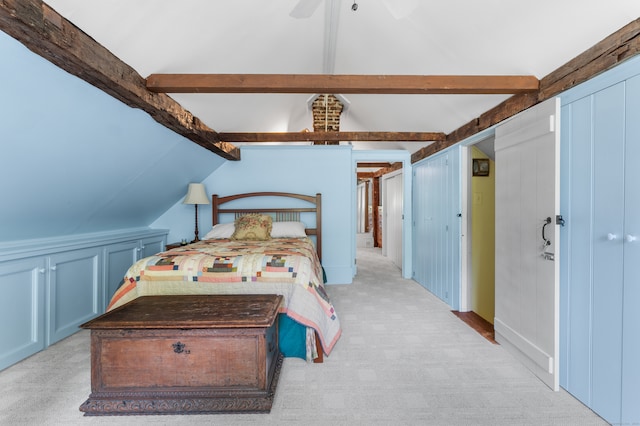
{"points": [[74, 160], [299, 169]]}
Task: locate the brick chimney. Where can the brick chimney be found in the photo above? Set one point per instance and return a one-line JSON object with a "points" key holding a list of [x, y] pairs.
{"points": [[326, 116]]}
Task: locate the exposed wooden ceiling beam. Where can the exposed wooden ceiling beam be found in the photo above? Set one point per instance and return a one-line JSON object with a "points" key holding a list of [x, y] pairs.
{"points": [[364, 164], [365, 175], [324, 83], [51, 36], [614, 49], [333, 137], [395, 166], [45, 32], [389, 168]]}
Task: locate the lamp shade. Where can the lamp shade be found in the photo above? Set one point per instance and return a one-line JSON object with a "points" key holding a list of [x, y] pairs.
{"points": [[196, 194]]}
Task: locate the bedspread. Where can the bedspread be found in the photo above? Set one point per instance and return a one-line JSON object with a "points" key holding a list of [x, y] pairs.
{"points": [[286, 266]]}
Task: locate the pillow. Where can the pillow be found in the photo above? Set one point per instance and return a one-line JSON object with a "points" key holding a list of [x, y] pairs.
{"points": [[220, 231], [288, 230], [253, 227]]}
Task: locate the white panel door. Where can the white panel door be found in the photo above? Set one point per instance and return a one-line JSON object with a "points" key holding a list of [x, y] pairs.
{"points": [[393, 219], [527, 274], [361, 193]]}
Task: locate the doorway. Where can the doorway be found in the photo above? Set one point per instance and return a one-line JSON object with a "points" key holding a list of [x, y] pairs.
{"points": [[400, 162], [379, 210], [526, 305], [478, 262], [366, 228]]}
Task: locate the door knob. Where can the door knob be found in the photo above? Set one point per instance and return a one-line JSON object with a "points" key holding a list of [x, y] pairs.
{"points": [[611, 236], [631, 238]]}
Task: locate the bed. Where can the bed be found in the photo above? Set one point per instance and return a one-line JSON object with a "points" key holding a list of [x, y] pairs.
{"points": [[238, 257]]}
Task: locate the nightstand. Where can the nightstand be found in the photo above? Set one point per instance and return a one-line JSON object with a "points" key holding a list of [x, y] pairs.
{"points": [[170, 246]]}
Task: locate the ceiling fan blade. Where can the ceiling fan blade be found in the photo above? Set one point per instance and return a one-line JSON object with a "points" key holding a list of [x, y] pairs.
{"points": [[401, 9], [305, 8]]}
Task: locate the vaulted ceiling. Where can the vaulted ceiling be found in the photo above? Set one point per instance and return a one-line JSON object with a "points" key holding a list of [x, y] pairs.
{"points": [[328, 37]]}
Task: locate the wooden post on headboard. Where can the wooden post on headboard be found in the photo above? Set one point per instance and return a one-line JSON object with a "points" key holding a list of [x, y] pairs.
{"points": [[319, 225], [214, 206]]}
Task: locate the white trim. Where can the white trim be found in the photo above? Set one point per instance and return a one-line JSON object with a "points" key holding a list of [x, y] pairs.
{"points": [[524, 346], [40, 246], [465, 230]]}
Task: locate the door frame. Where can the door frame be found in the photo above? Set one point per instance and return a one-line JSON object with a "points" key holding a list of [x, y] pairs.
{"points": [[407, 208], [466, 283], [361, 192]]}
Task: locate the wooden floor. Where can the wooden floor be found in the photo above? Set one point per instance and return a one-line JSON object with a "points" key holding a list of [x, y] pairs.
{"points": [[479, 324]]}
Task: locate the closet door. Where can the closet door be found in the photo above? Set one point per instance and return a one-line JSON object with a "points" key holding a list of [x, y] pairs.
{"points": [[437, 227], [577, 287], [631, 300], [117, 259], [434, 256], [75, 291], [602, 295], [608, 223], [22, 309]]}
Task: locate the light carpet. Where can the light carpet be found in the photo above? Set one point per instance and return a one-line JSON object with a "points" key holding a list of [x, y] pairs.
{"points": [[403, 359]]}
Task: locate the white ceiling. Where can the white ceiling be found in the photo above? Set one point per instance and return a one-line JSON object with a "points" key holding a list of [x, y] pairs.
{"points": [[395, 37]]}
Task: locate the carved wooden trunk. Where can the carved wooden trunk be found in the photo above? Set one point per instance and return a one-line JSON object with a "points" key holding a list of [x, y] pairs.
{"points": [[185, 355]]}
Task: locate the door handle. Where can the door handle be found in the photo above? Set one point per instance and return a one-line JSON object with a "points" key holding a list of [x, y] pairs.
{"points": [[611, 236], [631, 238], [547, 221]]}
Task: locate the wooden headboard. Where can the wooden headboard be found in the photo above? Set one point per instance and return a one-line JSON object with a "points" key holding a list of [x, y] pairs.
{"points": [[281, 213]]}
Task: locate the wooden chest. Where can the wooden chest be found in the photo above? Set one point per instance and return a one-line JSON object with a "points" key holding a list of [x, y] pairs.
{"points": [[185, 355]]}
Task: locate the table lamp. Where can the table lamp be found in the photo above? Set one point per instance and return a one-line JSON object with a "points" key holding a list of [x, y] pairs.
{"points": [[196, 194]]}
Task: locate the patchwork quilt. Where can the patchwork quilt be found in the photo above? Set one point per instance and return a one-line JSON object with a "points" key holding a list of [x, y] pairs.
{"points": [[286, 266]]}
